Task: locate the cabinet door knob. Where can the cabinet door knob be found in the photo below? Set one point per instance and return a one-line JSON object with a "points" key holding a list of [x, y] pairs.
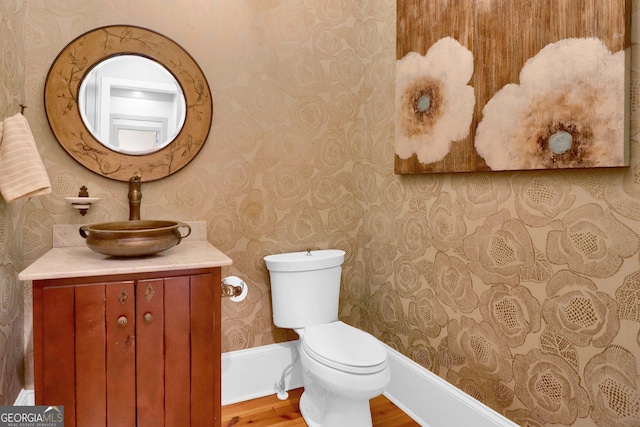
{"points": [[122, 321], [148, 317]]}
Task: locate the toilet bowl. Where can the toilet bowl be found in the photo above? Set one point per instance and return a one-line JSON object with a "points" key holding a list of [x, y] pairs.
{"points": [[343, 367]]}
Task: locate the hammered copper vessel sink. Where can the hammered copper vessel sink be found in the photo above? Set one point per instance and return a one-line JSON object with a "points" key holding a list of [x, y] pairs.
{"points": [[134, 238]]}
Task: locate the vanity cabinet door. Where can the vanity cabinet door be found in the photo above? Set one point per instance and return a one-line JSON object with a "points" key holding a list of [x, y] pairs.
{"points": [[85, 352], [177, 359], [142, 352]]}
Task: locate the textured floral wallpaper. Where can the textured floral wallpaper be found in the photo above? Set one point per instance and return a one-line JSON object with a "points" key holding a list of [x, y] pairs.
{"points": [[522, 289], [12, 61]]}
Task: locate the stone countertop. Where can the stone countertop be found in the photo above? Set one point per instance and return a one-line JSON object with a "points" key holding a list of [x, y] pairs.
{"points": [[67, 261]]}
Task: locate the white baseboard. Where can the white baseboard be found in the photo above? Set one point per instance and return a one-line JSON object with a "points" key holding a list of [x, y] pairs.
{"points": [[432, 401], [25, 398], [428, 399], [252, 373]]}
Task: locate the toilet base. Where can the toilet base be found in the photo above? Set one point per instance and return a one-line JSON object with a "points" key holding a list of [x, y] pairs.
{"points": [[338, 411]]}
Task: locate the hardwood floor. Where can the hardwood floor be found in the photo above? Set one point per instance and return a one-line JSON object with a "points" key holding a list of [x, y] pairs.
{"points": [[272, 412]]}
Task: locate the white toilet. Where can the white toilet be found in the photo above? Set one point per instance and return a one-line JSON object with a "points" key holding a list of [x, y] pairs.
{"points": [[343, 367]]}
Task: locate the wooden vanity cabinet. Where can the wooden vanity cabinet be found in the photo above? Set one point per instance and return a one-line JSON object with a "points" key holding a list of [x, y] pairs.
{"points": [[130, 350]]}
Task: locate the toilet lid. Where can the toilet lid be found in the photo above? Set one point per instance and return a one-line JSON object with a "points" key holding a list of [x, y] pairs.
{"points": [[344, 347]]}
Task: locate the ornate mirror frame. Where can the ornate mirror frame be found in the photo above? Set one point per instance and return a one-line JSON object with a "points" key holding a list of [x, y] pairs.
{"points": [[86, 51]]}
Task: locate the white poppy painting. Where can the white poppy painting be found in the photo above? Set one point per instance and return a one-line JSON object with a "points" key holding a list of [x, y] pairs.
{"points": [[474, 94], [434, 103], [567, 111]]}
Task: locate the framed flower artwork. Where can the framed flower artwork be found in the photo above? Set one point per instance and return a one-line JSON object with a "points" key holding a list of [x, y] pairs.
{"points": [[497, 85]]}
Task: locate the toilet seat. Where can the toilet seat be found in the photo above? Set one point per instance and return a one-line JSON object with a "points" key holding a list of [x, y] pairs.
{"points": [[344, 347]]}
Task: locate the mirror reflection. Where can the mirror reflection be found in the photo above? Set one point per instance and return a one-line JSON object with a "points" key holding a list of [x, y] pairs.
{"points": [[132, 104]]}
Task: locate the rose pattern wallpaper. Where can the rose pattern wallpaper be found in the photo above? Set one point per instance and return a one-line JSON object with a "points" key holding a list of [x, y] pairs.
{"points": [[12, 94], [520, 288]]}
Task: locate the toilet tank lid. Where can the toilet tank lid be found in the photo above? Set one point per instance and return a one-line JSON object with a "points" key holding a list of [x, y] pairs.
{"points": [[305, 261]]}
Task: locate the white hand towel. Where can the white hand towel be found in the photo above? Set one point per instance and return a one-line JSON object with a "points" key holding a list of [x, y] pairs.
{"points": [[22, 173]]}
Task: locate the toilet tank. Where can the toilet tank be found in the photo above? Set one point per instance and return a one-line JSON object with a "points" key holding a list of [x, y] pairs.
{"points": [[305, 287]]}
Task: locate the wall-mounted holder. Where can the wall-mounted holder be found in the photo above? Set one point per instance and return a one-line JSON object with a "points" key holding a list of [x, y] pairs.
{"points": [[234, 288], [83, 202]]}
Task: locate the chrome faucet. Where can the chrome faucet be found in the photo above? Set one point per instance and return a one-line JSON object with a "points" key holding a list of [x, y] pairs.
{"points": [[135, 196]]}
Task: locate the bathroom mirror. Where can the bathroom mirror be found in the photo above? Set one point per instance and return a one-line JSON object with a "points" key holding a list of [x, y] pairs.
{"points": [[123, 100]]}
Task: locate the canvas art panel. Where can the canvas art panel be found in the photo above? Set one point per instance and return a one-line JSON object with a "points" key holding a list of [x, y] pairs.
{"points": [[496, 85]]}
